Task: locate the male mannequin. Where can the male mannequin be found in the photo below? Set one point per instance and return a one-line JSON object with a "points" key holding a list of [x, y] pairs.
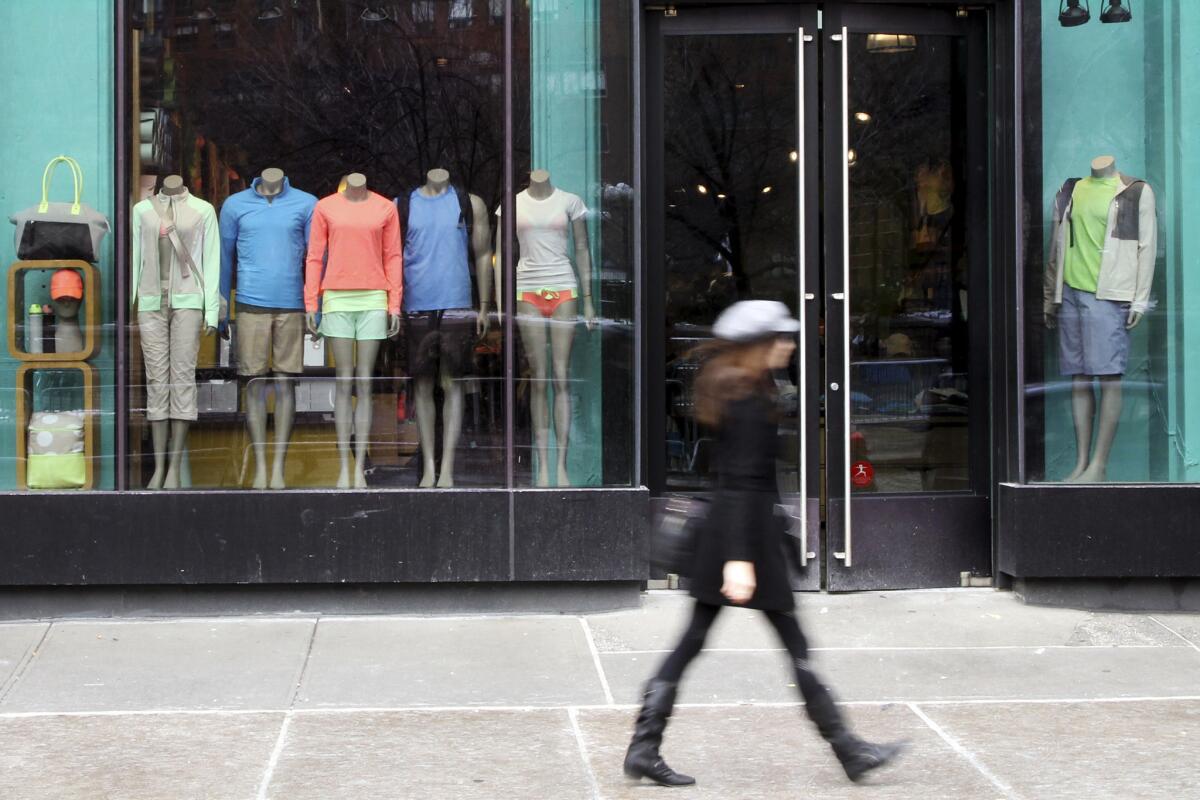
{"points": [[66, 293], [175, 281], [264, 239], [437, 299], [1097, 289], [360, 288], [548, 289]]}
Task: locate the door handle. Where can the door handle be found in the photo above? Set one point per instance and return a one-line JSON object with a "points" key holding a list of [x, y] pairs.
{"points": [[845, 554], [801, 521]]}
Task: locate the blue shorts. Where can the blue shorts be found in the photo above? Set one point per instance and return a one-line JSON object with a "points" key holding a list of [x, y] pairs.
{"points": [[1092, 337]]}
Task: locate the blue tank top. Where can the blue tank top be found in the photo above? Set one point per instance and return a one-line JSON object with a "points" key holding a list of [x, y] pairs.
{"points": [[436, 272]]}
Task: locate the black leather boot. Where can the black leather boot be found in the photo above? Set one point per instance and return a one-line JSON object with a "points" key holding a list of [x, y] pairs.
{"points": [[859, 757], [642, 759]]}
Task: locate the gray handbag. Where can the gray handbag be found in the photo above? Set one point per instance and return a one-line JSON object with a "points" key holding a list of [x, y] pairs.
{"points": [[60, 231]]}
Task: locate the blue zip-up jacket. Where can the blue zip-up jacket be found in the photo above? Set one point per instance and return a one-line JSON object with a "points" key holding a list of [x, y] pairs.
{"points": [[266, 241]]}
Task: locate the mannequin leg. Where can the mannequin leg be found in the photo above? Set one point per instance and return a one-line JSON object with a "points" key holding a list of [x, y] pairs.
{"points": [[426, 428], [256, 425], [368, 349], [1083, 409], [179, 434], [533, 326], [285, 415], [343, 403], [160, 434], [1111, 401], [452, 414], [562, 337]]}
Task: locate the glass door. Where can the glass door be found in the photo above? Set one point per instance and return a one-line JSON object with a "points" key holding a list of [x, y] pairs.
{"points": [[731, 215], [906, 200]]}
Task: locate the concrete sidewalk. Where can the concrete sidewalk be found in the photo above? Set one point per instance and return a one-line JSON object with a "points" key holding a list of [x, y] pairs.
{"points": [[998, 700]]}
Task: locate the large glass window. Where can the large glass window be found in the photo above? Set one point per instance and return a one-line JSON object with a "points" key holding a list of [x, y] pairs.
{"points": [[573, 269], [1112, 366], [330, 170]]}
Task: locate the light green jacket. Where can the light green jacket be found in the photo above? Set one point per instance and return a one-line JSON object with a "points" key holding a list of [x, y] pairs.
{"points": [[196, 224]]}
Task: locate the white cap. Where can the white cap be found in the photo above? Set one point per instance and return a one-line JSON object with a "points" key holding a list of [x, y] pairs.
{"points": [[748, 320]]}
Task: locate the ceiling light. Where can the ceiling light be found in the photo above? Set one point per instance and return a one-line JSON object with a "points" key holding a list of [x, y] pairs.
{"points": [[793, 156], [1070, 14], [891, 43], [1116, 12], [766, 190], [268, 11], [851, 157], [442, 61], [373, 14], [862, 116], [702, 189], [720, 197], [739, 86], [205, 14]]}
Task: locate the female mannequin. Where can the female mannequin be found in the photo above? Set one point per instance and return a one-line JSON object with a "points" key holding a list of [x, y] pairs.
{"points": [[176, 272], [362, 284], [441, 327], [549, 291]]}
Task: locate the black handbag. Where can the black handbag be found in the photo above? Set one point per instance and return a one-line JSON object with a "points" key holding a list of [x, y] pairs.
{"points": [[676, 530]]}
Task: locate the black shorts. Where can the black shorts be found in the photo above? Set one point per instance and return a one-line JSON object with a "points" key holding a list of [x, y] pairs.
{"points": [[440, 342]]}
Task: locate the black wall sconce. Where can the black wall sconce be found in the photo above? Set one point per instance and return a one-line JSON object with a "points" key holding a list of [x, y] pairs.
{"points": [[1117, 12], [1070, 14]]}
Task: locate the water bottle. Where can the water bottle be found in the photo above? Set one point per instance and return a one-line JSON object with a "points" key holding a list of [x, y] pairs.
{"points": [[33, 330]]}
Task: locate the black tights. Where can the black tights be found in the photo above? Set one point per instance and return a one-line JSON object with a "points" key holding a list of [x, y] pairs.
{"points": [[818, 700]]}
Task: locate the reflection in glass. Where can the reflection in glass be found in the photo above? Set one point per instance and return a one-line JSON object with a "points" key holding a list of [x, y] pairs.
{"points": [[908, 264], [730, 199]]}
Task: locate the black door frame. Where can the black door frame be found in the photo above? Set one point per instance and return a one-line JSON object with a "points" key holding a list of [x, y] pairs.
{"points": [[1001, 64]]}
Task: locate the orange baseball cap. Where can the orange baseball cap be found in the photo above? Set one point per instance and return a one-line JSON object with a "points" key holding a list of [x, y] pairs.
{"points": [[66, 283]]}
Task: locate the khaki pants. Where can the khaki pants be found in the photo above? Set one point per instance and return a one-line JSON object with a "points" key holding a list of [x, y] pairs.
{"points": [[170, 344]]}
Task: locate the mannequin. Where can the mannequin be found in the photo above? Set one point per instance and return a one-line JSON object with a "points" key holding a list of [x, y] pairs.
{"points": [[66, 293], [1105, 225], [360, 290], [549, 293], [437, 300], [177, 297], [264, 240]]}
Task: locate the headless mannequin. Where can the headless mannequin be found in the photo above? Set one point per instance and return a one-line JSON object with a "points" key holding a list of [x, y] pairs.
{"points": [[559, 332], [256, 391], [355, 363], [437, 182], [1083, 396], [169, 437], [68, 336]]}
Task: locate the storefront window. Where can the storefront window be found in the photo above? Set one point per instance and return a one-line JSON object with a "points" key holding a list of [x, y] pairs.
{"points": [[574, 230], [57, 372], [1112, 368], [331, 317]]}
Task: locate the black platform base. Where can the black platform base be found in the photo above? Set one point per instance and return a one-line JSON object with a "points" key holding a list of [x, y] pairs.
{"points": [[1112, 594]]}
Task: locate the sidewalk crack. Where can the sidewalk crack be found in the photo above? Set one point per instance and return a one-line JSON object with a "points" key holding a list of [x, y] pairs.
{"points": [[1186, 640], [970, 757], [23, 667]]}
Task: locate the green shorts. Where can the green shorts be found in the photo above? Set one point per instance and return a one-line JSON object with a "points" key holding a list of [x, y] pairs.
{"points": [[359, 325]]}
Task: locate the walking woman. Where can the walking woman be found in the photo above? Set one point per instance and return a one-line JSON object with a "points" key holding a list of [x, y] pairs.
{"points": [[740, 556]]}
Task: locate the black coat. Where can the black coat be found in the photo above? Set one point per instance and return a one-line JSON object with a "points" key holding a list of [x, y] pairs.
{"points": [[742, 524]]}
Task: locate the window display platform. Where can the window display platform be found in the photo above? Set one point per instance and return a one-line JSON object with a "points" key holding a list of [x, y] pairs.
{"points": [[322, 537], [1102, 530]]}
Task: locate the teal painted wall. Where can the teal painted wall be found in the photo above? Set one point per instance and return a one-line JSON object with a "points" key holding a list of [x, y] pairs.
{"points": [[58, 66], [565, 120]]}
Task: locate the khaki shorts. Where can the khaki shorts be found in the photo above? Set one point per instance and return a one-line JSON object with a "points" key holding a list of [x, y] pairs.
{"points": [[270, 341]]}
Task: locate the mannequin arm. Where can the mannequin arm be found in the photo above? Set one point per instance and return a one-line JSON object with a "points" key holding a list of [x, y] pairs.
{"points": [[481, 243], [583, 264]]}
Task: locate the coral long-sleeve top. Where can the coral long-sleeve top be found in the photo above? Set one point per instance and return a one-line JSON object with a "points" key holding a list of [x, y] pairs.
{"points": [[362, 242]]}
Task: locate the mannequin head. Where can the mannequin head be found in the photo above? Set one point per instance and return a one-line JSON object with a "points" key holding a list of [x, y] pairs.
{"points": [[172, 184], [437, 177], [356, 186], [539, 176], [271, 183], [66, 293], [1104, 166]]}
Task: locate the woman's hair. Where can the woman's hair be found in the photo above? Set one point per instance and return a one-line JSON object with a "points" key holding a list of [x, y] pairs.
{"points": [[731, 371]]}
